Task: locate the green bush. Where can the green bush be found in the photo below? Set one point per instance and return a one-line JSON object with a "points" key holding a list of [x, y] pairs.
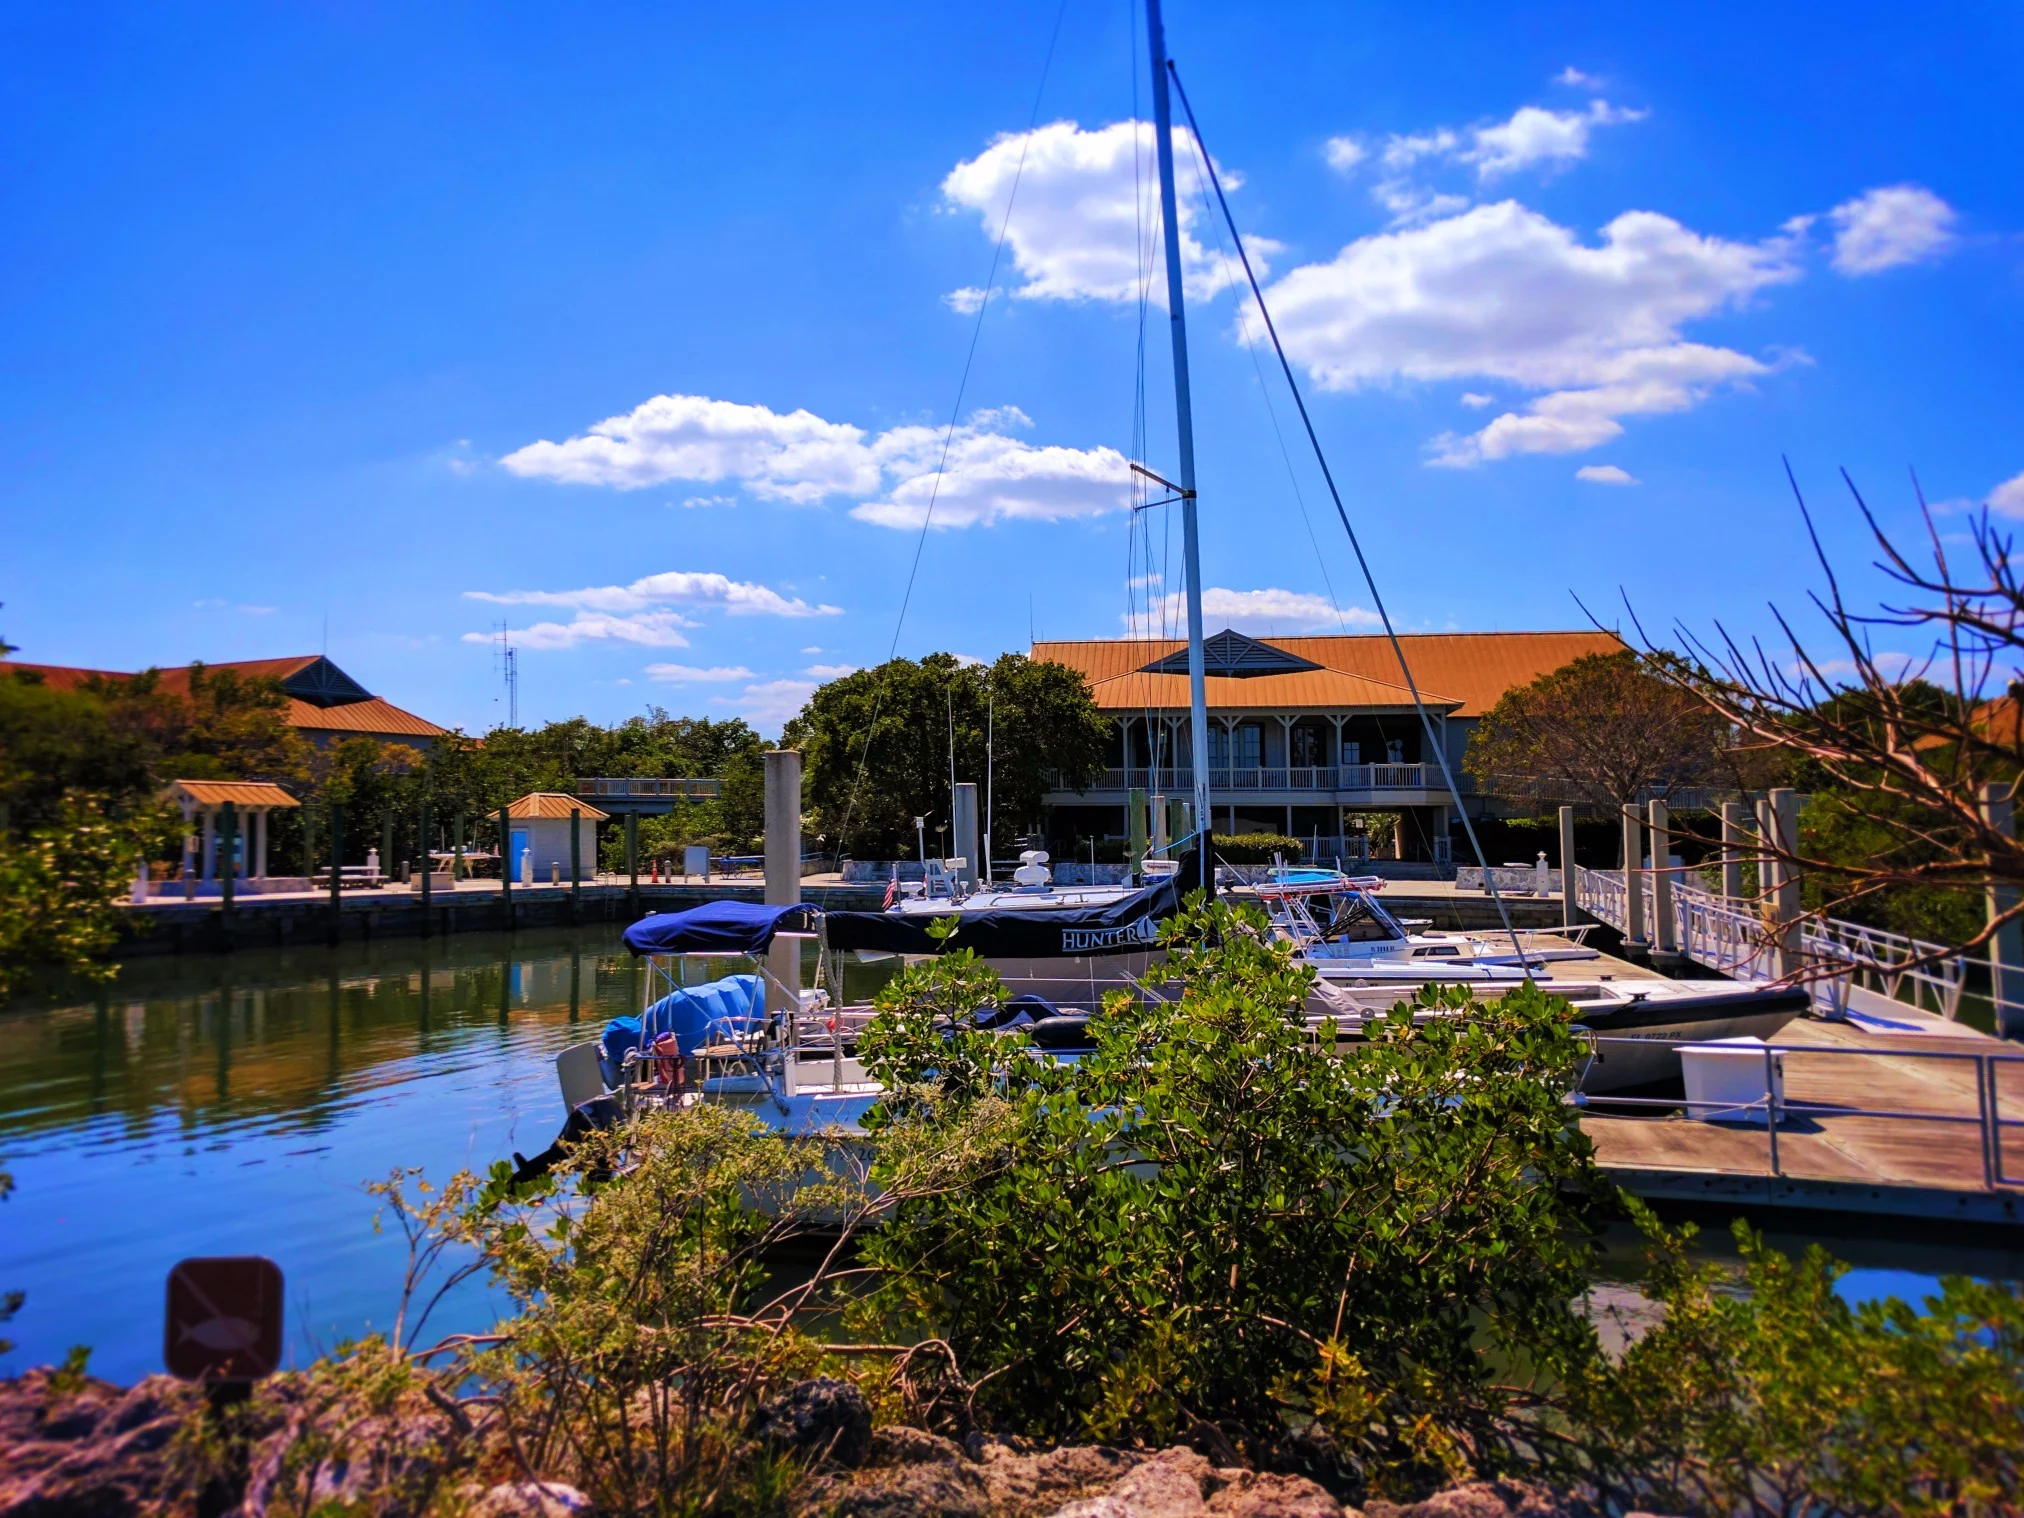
{"points": [[1257, 848], [1217, 1227]]}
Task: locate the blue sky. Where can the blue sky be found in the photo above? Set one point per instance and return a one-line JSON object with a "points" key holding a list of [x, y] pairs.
{"points": [[638, 328]]}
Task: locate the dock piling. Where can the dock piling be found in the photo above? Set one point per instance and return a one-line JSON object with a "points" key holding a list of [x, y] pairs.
{"points": [[2006, 950], [1570, 914], [1634, 943]]}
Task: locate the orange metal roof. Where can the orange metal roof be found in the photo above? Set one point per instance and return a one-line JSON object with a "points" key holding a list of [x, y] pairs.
{"points": [[1465, 673], [554, 804], [238, 792], [375, 718]]}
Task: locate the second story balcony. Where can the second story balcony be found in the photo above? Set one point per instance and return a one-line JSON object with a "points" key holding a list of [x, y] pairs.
{"points": [[1318, 780]]}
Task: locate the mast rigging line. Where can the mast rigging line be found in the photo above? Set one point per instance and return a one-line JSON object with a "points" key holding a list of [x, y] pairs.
{"points": [[1370, 581], [949, 434]]}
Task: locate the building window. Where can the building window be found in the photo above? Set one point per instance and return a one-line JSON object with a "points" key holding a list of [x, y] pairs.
{"points": [[1310, 746]]}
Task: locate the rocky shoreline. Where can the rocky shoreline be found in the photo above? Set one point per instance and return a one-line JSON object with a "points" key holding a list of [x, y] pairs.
{"points": [[88, 1449]]}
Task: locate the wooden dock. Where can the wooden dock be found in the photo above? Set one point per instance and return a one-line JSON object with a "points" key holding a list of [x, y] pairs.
{"points": [[1921, 1120]]}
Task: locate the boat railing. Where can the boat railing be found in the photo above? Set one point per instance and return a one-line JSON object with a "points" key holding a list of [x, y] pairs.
{"points": [[1772, 1108]]}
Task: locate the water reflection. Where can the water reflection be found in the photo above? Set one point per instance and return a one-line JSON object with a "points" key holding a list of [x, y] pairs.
{"points": [[236, 1104]]}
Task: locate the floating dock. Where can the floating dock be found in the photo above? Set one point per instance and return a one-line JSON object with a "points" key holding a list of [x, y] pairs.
{"points": [[1903, 1114]]}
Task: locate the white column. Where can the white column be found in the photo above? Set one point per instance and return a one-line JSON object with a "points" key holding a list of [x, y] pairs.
{"points": [[783, 861], [1784, 809], [1570, 913], [1732, 852], [2006, 950], [262, 872], [1662, 879], [210, 846], [1633, 882]]}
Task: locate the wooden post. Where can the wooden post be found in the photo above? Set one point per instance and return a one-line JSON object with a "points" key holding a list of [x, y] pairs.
{"points": [[336, 870], [1570, 914], [632, 862], [428, 865], [228, 848], [506, 866], [1783, 805], [1732, 852], [1135, 832], [1633, 884], [1663, 936], [575, 864], [2006, 949]]}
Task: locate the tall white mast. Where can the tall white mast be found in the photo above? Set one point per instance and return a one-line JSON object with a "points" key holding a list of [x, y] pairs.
{"points": [[1198, 700]]}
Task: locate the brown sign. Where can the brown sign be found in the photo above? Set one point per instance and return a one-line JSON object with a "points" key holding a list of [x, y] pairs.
{"points": [[224, 1319]]}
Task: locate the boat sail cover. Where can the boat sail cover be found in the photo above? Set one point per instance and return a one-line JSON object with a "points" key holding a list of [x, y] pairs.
{"points": [[717, 927], [1127, 926]]}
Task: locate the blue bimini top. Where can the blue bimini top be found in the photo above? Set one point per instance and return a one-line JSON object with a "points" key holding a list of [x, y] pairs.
{"points": [[696, 1015], [716, 927]]}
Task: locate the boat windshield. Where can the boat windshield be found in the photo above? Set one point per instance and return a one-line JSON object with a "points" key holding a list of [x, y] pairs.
{"points": [[1358, 919]]}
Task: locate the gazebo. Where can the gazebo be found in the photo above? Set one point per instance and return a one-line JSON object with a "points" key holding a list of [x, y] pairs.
{"points": [[203, 803]]}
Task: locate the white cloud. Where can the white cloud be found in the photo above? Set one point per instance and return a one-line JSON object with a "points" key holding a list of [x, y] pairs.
{"points": [[1344, 153], [1606, 474], [649, 629], [1074, 232], [689, 674], [1885, 228], [792, 457], [1475, 400], [1536, 135], [1500, 292], [829, 671], [2007, 499], [1252, 611], [739, 598], [695, 501], [644, 612], [770, 702], [990, 477], [813, 648], [1573, 78], [967, 301]]}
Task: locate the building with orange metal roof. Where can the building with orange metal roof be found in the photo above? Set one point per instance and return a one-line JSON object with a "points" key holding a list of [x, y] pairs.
{"points": [[1303, 732], [324, 703]]}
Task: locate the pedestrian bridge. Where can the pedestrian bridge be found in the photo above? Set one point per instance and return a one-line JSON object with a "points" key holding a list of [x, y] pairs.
{"points": [[1848, 967]]}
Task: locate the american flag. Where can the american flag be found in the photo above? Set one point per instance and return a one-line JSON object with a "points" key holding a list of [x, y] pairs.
{"points": [[892, 890]]}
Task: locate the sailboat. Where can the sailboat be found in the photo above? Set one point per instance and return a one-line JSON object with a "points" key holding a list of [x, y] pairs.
{"points": [[789, 1053]]}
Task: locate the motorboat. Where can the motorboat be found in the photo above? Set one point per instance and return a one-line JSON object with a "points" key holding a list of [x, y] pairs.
{"points": [[1356, 940]]}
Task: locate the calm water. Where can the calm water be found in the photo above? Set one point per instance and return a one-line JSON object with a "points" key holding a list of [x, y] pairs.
{"points": [[237, 1104]]}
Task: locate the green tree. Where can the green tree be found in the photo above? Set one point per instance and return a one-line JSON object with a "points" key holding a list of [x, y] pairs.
{"points": [[877, 744], [1598, 731], [61, 885]]}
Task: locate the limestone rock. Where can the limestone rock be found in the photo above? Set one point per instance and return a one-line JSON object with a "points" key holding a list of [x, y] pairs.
{"points": [[1167, 1486], [1268, 1494], [824, 1419], [1494, 1499], [530, 1499], [98, 1452], [897, 1444]]}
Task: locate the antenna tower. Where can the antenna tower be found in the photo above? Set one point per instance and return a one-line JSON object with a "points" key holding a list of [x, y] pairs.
{"points": [[507, 658]]}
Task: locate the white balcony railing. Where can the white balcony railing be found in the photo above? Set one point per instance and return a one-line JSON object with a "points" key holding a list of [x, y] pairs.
{"points": [[1346, 777]]}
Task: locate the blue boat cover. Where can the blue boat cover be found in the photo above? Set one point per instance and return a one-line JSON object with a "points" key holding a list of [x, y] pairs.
{"points": [[716, 927], [696, 1015]]}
